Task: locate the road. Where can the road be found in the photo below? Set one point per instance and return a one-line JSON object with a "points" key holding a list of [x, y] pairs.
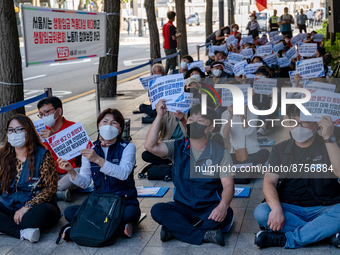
{"points": [[71, 78]]}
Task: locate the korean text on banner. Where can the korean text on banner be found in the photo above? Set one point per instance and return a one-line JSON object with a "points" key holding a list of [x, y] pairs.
{"points": [[296, 39], [310, 68], [264, 85], [322, 103], [232, 40], [227, 96], [277, 38], [247, 39], [278, 47], [247, 53], [170, 88], [319, 86], [228, 67], [199, 64], [272, 34], [39, 125], [239, 68], [250, 69], [181, 106], [234, 57], [68, 143], [291, 53], [214, 48], [53, 34], [145, 81], [307, 49], [318, 37], [283, 62], [271, 60], [264, 50]]}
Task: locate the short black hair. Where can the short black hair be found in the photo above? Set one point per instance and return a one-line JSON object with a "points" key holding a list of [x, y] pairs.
{"points": [[54, 101], [188, 57], [171, 15], [211, 113], [293, 110]]}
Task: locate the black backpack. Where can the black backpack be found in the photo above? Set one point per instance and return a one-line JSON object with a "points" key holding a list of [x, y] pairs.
{"points": [[157, 172], [96, 221]]}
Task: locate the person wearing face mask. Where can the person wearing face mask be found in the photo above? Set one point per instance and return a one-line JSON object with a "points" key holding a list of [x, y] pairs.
{"points": [[235, 28], [253, 26], [193, 217], [51, 112], [29, 180], [285, 22], [183, 68], [302, 207], [287, 41], [218, 36], [110, 165], [217, 71], [195, 72]]}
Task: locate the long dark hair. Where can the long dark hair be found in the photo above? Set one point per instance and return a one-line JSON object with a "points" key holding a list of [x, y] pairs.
{"points": [[8, 156]]}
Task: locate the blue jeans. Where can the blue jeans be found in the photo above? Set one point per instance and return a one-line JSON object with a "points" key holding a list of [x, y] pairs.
{"points": [[303, 225]]}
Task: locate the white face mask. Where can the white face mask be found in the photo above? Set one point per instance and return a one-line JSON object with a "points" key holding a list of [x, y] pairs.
{"points": [[287, 40], [184, 65], [217, 72], [234, 29], [17, 140], [252, 18], [301, 134], [196, 76], [49, 120], [108, 132]]}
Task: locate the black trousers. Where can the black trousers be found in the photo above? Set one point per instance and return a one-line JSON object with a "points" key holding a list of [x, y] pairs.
{"points": [[302, 27], [42, 216], [178, 219], [153, 159], [144, 108]]}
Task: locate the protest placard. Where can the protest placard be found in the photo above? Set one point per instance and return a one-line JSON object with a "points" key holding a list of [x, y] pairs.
{"points": [[199, 64], [52, 35], [271, 60], [247, 53], [272, 43], [264, 50], [145, 80], [181, 106], [263, 39], [318, 37], [232, 40], [291, 53], [264, 85], [296, 39], [39, 125], [307, 49], [228, 67], [214, 48], [68, 143], [251, 68], [170, 88], [292, 80], [234, 57], [278, 47], [304, 37], [272, 34], [310, 68], [247, 39], [227, 96], [283, 62], [322, 103], [330, 72], [319, 86], [239, 67], [277, 38]]}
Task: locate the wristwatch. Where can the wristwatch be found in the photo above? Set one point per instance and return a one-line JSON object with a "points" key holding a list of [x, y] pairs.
{"points": [[331, 139]]}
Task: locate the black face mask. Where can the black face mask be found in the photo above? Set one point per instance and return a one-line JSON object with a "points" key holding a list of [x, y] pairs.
{"points": [[195, 130]]}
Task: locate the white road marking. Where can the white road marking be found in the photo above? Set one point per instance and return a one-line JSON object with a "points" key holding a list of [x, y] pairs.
{"points": [[35, 77], [71, 63], [139, 62]]}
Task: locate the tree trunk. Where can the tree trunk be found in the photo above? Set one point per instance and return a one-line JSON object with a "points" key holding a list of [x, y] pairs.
{"points": [[81, 5], [99, 5], [232, 12], [109, 64], [208, 18], [121, 16], [10, 63], [181, 26], [155, 51]]}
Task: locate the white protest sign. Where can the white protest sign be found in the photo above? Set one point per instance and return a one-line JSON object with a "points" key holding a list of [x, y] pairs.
{"points": [[278, 47], [234, 57], [330, 72], [199, 64], [277, 38], [52, 35], [145, 80], [181, 106], [320, 86], [296, 39], [247, 53], [264, 50], [310, 68], [247, 39], [239, 68], [292, 76], [193, 100], [272, 34], [271, 60], [272, 43], [291, 53], [263, 40], [283, 62], [251, 68], [228, 67], [39, 125], [318, 37], [264, 85], [304, 37], [232, 40], [214, 48], [68, 143], [227, 96], [322, 103], [170, 88], [307, 49]]}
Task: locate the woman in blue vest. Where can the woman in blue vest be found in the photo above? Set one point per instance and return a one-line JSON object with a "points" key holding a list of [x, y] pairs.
{"points": [[28, 182], [110, 164]]}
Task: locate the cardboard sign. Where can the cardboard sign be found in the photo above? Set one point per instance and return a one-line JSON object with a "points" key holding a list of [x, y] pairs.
{"points": [[239, 68], [234, 57], [307, 49], [310, 68], [283, 62], [145, 81], [264, 85], [68, 143], [264, 50], [199, 64], [271, 60], [227, 96], [247, 53]]}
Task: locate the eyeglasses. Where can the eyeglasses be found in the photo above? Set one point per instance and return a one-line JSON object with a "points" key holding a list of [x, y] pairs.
{"points": [[304, 124], [45, 113], [17, 130]]}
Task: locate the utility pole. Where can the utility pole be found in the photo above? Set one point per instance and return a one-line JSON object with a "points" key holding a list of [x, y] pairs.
{"points": [[221, 12]]}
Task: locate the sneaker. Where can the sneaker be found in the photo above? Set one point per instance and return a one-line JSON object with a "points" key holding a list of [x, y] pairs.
{"points": [[30, 234], [64, 195], [262, 131], [147, 120], [264, 239], [335, 240], [165, 234], [214, 236], [128, 230]]}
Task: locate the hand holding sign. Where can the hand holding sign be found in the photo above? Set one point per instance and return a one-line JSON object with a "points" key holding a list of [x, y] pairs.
{"points": [[161, 107], [327, 127], [45, 133], [92, 156], [64, 165]]}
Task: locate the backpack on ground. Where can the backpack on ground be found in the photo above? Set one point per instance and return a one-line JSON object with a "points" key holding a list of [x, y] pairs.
{"points": [[157, 172], [96, 222]]}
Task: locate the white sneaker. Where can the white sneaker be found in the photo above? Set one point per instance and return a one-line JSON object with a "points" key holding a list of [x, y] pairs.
{"points": [[262, 131], [30, 234]]}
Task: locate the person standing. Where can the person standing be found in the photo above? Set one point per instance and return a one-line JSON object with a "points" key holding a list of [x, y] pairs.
{"points": [[285, 22], [253, 26], [301, 21], [273, 26], [310, 16], [170, 41]]}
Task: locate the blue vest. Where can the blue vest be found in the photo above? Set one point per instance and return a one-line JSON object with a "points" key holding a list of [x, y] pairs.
{"points": [[16, 198], [108, 184], [192, 191]]}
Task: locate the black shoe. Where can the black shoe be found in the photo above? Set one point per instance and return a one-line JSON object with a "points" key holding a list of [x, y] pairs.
{"points": [[165, 234], [214, 236], [335, 240], [264, 239], [136, 112], [147, 120]]}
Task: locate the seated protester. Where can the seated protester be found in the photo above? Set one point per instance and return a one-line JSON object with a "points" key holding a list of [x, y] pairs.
{"points": [[24, 164], [301, 207], [253, 26], [195, 72], [51, 112], [110, 165], [217, 71], [158, 69], [234, 27], [218, 36], [219, 55], [193, 217], [287, 41], [185, 60]]}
